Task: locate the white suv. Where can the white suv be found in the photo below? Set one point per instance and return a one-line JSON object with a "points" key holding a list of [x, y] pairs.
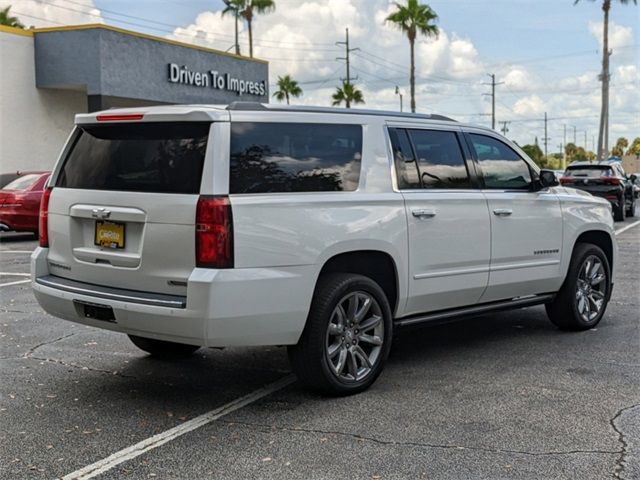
{"points": [[320, 229]]}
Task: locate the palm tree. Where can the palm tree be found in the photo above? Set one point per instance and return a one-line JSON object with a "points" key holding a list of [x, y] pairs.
{"points": [[603, 132], [233, 7], [249, 9], [348, 94], [287, 87], [414, 18], [8, 20]]}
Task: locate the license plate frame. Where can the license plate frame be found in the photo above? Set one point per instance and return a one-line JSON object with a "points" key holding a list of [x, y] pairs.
{"points": [[105, 232]]}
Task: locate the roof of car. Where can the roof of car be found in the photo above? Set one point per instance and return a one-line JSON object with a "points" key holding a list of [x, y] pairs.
{"points": [[197, 112]]}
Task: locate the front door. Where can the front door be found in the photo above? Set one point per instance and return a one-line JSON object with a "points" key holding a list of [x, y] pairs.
{"points": [[447, 217], [526, 223]]}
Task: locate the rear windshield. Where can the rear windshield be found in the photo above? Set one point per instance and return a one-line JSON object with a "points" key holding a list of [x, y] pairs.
{"points": [[144, 157], [22, 183], [596, 172]]}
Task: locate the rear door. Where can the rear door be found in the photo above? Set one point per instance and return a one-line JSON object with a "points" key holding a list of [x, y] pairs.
{"points": [[526, 224], [447, 217], [122, 211]]}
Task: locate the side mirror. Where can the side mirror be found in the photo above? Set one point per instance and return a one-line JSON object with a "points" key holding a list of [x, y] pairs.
{"points": [[633, 178], [548, 179]]}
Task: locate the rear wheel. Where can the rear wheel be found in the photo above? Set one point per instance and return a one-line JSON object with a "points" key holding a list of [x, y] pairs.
{"points": [[582, 300], [162, 348], [620, 211], [347, 339]]}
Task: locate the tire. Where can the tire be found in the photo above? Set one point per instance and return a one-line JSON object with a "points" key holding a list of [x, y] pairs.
{"points": [[569, 311], [632, 209], [619, 211], [162, 348], [339, 334]]}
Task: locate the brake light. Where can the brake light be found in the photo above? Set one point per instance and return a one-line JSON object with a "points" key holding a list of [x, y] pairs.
{"points": [[566, 181], [43, 220], [214, 232], [611, 181], [119, 117]]}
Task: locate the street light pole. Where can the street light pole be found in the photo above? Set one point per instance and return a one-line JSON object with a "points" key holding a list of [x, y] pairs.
{"points": [[400, 94]]}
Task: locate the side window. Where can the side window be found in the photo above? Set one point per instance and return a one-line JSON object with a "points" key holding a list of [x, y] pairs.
{"points": [[406, 169], [440, 160], [502, 167], [294, 157]]}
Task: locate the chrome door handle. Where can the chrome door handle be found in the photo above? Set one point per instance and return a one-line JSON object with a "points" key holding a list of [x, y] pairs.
{"points": [[423, 213], [502, 212]]}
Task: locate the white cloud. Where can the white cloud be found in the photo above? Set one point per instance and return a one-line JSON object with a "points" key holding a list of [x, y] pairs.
{"points": [[51, 13], [621, 38]]}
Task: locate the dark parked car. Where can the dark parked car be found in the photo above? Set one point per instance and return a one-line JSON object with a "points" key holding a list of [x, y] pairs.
{"points": [[20, 202], [607, 180]]}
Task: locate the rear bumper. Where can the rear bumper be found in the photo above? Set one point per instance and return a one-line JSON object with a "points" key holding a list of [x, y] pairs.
{"points": [[235, 307]]}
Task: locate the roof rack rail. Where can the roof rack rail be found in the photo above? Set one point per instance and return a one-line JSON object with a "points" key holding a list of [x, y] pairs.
{"points": [[257, 106]]}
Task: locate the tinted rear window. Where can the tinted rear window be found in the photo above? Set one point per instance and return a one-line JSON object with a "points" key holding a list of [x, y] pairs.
{"points": [[588, 172], [294, 157], [144, 157]]}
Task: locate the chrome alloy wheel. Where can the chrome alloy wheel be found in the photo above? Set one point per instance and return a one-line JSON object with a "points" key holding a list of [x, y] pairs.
{"points": [[355, 336], [591, 288]]}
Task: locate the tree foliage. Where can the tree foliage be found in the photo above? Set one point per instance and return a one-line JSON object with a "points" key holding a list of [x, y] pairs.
{"points": [[348, 94], [287, 88], [7, 19]]}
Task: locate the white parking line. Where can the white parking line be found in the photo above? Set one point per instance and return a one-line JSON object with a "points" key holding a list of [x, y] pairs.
{"points": [[150, 443], [8, 284], [624, 229], [15, 274]]}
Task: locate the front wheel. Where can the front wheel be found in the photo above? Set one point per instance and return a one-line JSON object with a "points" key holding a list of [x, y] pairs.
{"points": [[347, 338], [162, 348], [582, 300]]}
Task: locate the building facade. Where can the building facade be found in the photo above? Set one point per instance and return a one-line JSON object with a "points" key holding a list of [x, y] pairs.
{"points": [[50, 74]]}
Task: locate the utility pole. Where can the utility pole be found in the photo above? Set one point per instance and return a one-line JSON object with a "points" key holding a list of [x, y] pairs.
{"points": [[564, 153], [504, 128], [546, 137], [493, 98], [575, 142], [347, 61]]}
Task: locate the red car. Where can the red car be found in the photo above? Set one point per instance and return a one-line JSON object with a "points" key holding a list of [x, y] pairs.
{"points": [[20, 202]]}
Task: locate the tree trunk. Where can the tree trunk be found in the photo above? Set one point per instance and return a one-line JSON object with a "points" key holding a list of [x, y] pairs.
{"points": [[237, 43], [286, 95], [602, 132], [412, 78], [250, 38]]}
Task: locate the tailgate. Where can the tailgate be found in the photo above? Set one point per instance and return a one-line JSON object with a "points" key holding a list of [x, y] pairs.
{"points": [[122, 210]]}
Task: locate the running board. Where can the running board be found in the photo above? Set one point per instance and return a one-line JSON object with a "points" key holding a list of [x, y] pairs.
{"points": [[443, 316]]}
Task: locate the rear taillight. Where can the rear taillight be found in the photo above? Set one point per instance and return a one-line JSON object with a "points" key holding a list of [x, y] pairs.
{"points": [[214, 232], [566, 181], [611, 181], [43, 223]]}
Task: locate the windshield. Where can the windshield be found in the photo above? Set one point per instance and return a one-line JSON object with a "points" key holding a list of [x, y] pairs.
{"points": [[145, 157], [23, 182]]}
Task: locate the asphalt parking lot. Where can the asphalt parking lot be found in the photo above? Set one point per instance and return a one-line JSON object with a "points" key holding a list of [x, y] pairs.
{"points": [[500, 396]]}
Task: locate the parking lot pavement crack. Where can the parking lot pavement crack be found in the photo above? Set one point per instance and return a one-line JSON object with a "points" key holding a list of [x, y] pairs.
{"points": [[79, 367], [32, 350], [266, 428], [621, 460]]}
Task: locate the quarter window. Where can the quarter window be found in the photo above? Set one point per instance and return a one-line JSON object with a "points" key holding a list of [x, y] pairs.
{"points": [[294, 157], [502, 167], [440, 160]]}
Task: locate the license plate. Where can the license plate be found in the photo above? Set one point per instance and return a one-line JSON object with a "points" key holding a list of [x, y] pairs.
{"points": [[109, 234]]}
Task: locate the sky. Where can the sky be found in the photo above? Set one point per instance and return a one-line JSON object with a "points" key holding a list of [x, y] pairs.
{"points": [[546, 54]]}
